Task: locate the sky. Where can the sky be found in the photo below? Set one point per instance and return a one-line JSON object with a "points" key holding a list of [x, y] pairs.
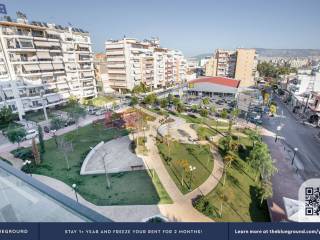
{"points": [[192, 26]]}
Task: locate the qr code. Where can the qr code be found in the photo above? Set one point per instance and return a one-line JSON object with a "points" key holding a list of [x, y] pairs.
{"points": [[312, 201]]}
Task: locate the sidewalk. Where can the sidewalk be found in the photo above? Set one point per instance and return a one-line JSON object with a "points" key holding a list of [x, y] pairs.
{"points": [[285, 183]]}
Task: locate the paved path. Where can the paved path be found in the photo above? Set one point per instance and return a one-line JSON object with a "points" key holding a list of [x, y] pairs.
{"points": [[180, 210]]}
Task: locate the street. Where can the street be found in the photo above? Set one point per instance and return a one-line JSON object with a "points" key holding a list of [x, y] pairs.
{"points": [[294, 134]]}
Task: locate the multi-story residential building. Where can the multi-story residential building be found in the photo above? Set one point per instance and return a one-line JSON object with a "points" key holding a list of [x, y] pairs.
{"points": [[246, 66], [305, 82], [101, 73], [239, 64], [131, 62], [43, 64]]}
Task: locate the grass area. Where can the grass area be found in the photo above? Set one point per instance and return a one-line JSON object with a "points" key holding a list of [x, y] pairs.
{"points": [[141, 146], [38, 116], [145, 116], [127, 188], [238, 196], [4, 127], [99, 101], [203, 132], [198, 156]]}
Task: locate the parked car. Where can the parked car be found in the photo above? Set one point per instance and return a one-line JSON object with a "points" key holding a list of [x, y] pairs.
{"points": [[100, 112], [46, 129], [69, 122], [31, 133]]}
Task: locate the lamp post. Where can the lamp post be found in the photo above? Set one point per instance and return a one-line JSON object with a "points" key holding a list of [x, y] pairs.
{"points": [[27, 163], [53, 132], [191, 168], [294, 154], [74, 186], [277, 133]]}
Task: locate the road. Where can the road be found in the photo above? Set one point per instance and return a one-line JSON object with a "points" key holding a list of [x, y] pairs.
{"points": [[294, 134]]}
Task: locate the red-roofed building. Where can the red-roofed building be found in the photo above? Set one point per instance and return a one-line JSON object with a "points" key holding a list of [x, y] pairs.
{"points": [[209, 86]]}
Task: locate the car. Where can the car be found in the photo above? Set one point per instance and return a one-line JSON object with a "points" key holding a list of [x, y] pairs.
{"points": [[31, 133], [100, 112], [69, 122], [46, 129]]}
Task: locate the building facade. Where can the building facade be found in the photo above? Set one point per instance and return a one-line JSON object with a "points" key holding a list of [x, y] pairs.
{"points": [[43, 64], [131, 62], [239, 64]]}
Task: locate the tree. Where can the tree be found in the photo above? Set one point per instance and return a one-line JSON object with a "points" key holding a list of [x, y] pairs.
{"points": [[134, 101], [65, 147], [35, 152], [260, 159], [228, 159], [184, 166], [265, 190], [213, 109], [164, 103], [77, 113], [72, 101], [254, 137], [57, 123], [16, 134], [203, 112], [150, 99], [273, 109], [41, 142], [175, 101], [6, 115], [234, 114], [180, 107], [194, 108], [224, 113], [206, 101]]}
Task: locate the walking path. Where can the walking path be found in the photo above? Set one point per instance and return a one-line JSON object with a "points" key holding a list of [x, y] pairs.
{"points": [[180, 210]]}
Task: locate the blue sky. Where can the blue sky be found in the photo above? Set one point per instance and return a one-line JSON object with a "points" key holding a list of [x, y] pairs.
{"points": [[195, 27]]}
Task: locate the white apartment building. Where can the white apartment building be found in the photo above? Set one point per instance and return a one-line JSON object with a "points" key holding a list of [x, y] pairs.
{"points": [[226, 63], [131, 62], [43, 64], [306, 81]]}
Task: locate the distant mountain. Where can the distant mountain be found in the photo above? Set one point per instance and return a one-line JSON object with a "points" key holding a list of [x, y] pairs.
{"points": [[264, 52], [268, 52]]}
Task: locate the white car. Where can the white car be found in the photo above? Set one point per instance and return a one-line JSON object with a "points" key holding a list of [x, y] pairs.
{"points": [[31, 133]]}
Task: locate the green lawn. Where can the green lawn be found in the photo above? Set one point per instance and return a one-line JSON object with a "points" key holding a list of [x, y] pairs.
{"points": [[203, 132], [239, 194], [198, 156], [135, 187], [38, 116]]}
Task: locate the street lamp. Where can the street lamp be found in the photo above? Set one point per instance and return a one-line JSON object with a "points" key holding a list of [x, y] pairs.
{"points": [[277, 133], [294, 154], [74, 186], [27, 163], [191, 168], [53, 132]]}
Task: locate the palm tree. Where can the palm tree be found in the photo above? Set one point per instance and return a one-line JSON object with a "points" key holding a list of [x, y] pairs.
{"points": [[265, 190], [228, 159]]}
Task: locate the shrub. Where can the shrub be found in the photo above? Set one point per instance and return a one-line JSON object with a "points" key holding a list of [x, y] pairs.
{"points": [[23, 153], [202, 204]]}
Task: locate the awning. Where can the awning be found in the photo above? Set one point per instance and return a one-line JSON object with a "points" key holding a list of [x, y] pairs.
{"points": [[41, 44], [58, 66], [52, 32], [43, 55], [46, 66], [54, 44], [83, 45], [8, 93], [87, 74], [31, 67], [2, 68], [63, 85], [53, 98]]}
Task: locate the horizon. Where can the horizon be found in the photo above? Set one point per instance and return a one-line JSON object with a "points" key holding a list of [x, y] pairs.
{"points": [[242, 29]]}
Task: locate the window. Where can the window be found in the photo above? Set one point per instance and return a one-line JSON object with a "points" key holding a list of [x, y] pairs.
{"points": [[25, 43]]}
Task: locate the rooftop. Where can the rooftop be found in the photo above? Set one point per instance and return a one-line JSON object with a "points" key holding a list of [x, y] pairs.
{"points": [[229, 82]]}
